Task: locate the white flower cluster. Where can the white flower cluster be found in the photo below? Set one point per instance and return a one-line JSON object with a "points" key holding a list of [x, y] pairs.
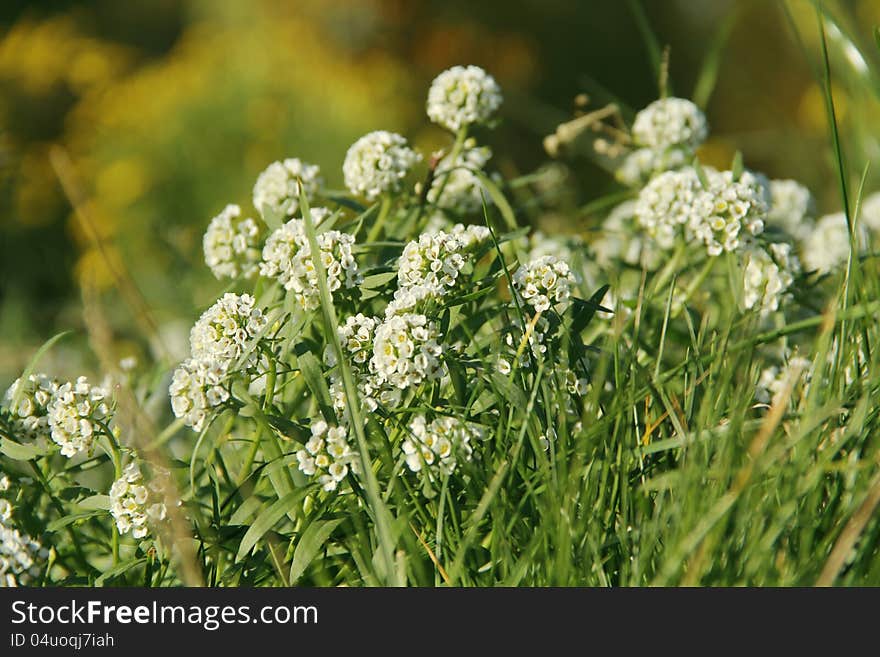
{"points": [[535, 347], [870, 212], [226, 330], [232, 244], [435, 260], [543, 282], [377, 163], [75, 414], [643, 163], [133, 503], [356, 336], [406, 351], [675, 203], [29, 418], [20, 555], [438, 445], [277, 187], [287, 256], [197, 387], [791, 207], [456, 186], [328, 455], [827, 246], [670, 123], [768, 276], [462, 96], [774, 379]]}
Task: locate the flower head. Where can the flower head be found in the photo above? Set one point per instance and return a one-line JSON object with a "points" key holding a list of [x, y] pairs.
{"points": [[438, 445], [327, 455], [463, 95], [277, 187], [197, 387], [226, 330], [768, 276], [21, 557], [29, 418], [287, 256], [406, 351], [827, 246], [232, 244], [436, 259], [791, 207], [668, 123], [377, 163], [76, 413], [543, 282], [135, 504]]}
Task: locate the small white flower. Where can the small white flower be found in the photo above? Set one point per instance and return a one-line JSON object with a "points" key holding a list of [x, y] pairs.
{"points": [[544, 282], [197, 388], [774, 379], [327, 455], [29, 419], [435, 260], [21, 557], [768, 275], [134, 504], [463, 95], [287, 256], [75, 414], [642, 164], [440, 444], [670, 122], [226, 330], [406, 351], [377, 163], [232, 244], [277, 187]]}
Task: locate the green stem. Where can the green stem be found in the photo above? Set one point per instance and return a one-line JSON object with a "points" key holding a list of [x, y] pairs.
{"points": [[384, 210]]}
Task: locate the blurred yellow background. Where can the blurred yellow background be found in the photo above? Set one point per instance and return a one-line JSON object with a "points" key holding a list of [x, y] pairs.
{"points": [[167, 110]]}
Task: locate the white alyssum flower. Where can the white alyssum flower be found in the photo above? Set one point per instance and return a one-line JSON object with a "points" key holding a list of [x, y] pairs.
{"points": [[226, 331], [456, 186], [198, 387], [21, 557], [774, 378], [30, 418], [328, 455], [827, 246], [791, 208], [277, 188], [768, 276], [670, 122], [435, 260], [136, 505], [232, 244], [406, 351], [411, 299], [462, 96], [439, 445], [76, 413], [642, 164], [675, 204], [287, 256], [377, 164], [356, 335], [543, 282]]}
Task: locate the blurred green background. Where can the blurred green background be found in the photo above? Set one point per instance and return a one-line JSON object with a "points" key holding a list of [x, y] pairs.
{"points": [[162, 111]]}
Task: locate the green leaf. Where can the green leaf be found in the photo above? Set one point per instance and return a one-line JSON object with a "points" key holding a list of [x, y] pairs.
{"points": [[61, 523], [704, 181], [311, 371], [581, 312], [498, 199], [246, 511], [119, 570], [96, 503], [736, 168], [267, 519], [309, 545], [19, 452]]}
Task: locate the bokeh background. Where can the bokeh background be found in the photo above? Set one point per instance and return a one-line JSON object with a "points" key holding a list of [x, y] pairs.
{"points": [[156, 113]]}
